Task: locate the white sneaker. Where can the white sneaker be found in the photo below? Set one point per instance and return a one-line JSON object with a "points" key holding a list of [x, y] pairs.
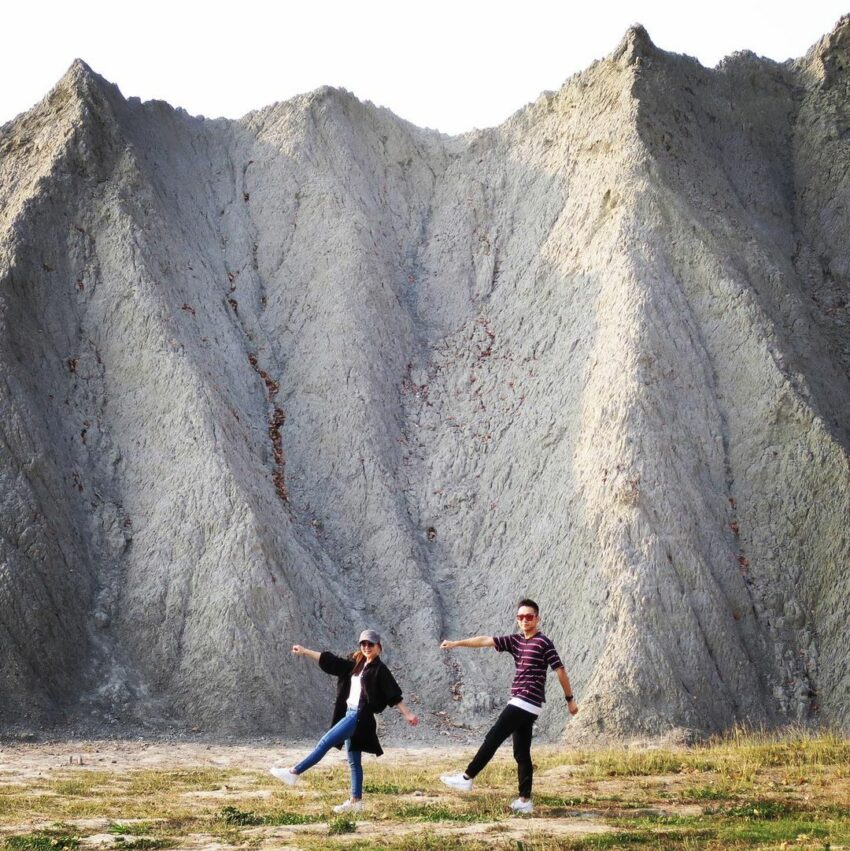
{"points": [[284, 774], [520, 806], [457, 781], [349, 807]]}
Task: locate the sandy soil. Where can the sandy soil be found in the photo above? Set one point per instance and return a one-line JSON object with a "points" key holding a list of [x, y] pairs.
{"points": [[23, 763]]}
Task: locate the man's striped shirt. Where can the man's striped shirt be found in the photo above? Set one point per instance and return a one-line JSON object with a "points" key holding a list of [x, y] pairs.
{"points": [[531, 656]]}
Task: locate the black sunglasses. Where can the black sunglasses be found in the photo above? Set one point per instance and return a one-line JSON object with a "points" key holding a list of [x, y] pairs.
{"points": [[367, 643]]}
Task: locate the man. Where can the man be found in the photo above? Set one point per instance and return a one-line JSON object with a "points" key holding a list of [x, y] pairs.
{"points": [[532, 652]]}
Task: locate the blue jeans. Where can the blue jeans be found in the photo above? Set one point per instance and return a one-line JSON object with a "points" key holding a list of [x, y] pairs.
{"points": [[356, 767], [342, 730]]}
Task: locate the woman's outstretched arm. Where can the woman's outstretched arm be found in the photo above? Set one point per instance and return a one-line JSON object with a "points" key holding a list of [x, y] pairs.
{"points": [[408, 715], [298, 650]]}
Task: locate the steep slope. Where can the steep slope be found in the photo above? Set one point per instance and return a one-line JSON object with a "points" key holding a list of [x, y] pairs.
{"points": [[276, 379], [729, 234], [46, 576]]}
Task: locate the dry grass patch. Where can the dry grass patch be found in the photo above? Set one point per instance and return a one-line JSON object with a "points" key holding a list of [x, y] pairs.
{"points": [[736, 792]]}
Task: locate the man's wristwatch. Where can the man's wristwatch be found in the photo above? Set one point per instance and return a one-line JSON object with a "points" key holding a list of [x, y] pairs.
{"points": [[568, 697]]}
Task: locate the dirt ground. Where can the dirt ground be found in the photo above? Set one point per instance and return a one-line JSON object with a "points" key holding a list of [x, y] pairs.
{"points": [[125, 794], [40, 766]]}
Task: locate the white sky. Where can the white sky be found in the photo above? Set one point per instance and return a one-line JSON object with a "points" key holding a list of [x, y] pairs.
{"points": [[450, 65]]}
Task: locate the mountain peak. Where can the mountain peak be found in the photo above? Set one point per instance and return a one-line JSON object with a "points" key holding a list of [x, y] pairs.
{"points": [[79, 68], [831, 54], [635, 44], [82, 81]]}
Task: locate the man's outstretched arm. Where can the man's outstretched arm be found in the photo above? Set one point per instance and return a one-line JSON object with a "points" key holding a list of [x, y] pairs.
{"points": [[477, 641]]}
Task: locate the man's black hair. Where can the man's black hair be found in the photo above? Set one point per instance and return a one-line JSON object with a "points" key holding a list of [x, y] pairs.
{"points": [[530, 603]]}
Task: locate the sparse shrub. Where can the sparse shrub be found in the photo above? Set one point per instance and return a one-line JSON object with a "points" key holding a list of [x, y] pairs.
{"points": [[141, 842], [290, 818], [41, 841], [139, 828], [383, 789], [234, 816], [760, 810], [704, 793], [340, 825], [75, 786], [432, 812], [241, 818]]}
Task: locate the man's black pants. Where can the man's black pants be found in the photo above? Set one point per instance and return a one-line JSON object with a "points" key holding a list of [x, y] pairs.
{"points": [[518, 723]]}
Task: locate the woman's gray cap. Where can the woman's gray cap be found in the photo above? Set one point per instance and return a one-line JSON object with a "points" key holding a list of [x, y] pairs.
{"points": [[370, 635]]}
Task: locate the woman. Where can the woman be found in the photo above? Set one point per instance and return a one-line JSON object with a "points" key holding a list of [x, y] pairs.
{"points": [[364, 686]]}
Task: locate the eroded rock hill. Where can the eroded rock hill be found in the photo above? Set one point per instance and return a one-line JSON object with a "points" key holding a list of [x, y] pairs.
{"points": [[273, 380]]}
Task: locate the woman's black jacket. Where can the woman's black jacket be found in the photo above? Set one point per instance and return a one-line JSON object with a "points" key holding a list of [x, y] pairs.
{"points": [[378, 690]]}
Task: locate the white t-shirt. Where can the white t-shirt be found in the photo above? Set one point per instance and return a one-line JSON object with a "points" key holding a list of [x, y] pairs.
{"points": [[353, 701], [524, 704]]}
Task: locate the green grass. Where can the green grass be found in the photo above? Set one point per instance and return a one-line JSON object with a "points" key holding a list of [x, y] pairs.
{"points": [[142, 842], [541, 799], [341, 825], [760, 810], [435, 813], [41, 841], [152, 782], [739, 753], [741, 791], [241, 818], [138, 828], [705, 793], [284, 818], [81, 783], [624, 839], [424, 841], [371, 788], [753, 825], [616, 763]]}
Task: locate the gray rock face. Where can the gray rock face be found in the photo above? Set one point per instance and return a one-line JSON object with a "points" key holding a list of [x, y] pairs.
{"points": [[274, 380]]}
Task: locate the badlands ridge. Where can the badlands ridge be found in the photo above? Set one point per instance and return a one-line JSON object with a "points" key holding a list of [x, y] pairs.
{"points": [[275, 379]]}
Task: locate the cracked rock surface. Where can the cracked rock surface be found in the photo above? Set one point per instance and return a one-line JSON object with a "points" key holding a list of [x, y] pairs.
{"points": [[278, 379]]}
